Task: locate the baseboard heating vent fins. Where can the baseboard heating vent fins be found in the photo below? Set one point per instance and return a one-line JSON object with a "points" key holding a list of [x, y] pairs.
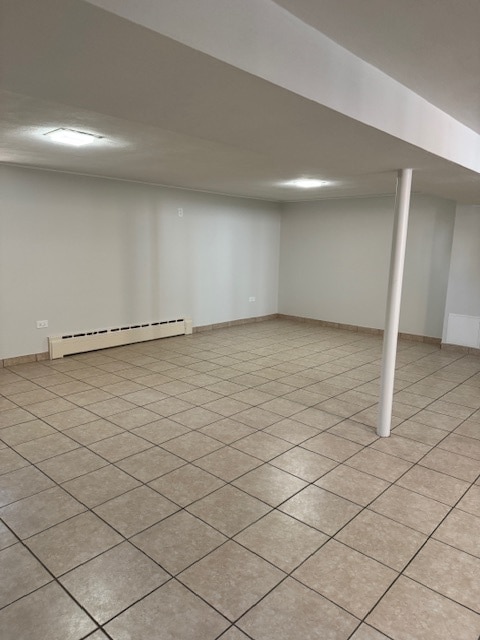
{"points": [[59, 346]]}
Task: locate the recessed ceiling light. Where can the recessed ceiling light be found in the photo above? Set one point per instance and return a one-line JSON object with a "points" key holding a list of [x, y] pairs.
{"points": [[72, 137], [306, 183]]}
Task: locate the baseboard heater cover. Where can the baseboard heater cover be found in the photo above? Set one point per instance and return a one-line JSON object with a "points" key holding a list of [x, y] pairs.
{"points": [[68, 344]]}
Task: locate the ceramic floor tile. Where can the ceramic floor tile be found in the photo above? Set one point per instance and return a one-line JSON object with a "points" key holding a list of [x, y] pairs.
{"points": [[21, 574], [262, 445], [352, 484], [453, 410], [178, 541], [34, 514], [46, 408], [120, 446], [89, 398], [469, 447], [169, 406], [46, 613], [226, 406], [160, 430], [419, 432], [197, 417], [437, 420], [150, 464], [433, 484], [133, 418], [317, 418], [144, 396], [99, 486], [6, 537], [256, 417], [291, 431], [46, 447], [449, 571], [460, 530], [135, 510], [71, 418], [173, 609], [381, 538], [186, 485], [411, 611], [270, 484], [233, 634], [231, 579], [379, 464], [404, 448], [113, 581], [229, 510], [365, 632], [346, 577], [25, 432], [11, 417], [70, 543], [93, 431], [227, 430], [411, 509], [469, 429], [451, 464], [293, 611], [71, 464], [320, 509], [228, 463], [471, 501], [22, 483], [280, 389], [304, 464], [351, 430], [282, 540], [192, 445], [110, 406], [199, 397]]}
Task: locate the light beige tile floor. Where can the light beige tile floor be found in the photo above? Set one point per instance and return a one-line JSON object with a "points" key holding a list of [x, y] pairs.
{"points": [[231, 485]]}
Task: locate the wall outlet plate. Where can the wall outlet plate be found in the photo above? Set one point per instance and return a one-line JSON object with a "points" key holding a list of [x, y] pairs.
{"points": [[42, 324], [252, 299]]}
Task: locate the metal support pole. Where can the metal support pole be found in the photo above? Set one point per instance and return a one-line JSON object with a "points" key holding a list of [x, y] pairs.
{"points": [[392, 316]]}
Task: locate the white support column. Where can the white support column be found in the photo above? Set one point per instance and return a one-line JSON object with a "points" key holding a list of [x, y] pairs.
{"points": [[392, 316]]}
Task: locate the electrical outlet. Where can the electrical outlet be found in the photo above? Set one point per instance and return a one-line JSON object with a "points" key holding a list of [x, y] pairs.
{"points": [[180, 212], [252, 299], [42, 324]]}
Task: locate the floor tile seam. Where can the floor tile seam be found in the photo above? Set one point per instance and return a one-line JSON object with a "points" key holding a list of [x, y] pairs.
{"points": [[416, 491], [452, 546], [235, 628], [438, 593], [21, 456], [477, 460], [83, 446], [169, 578], [369, 626], [55, 580], [446, 392], [402, 572], [305, 586], [197, 595], [58, 432]]}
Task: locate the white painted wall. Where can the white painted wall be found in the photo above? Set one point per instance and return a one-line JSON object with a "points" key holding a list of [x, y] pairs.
{"points": [[86, 253], [335, 256], [462, 309]]}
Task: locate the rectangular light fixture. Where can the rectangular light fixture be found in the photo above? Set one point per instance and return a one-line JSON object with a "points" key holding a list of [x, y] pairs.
{"points": [[72, 137]]}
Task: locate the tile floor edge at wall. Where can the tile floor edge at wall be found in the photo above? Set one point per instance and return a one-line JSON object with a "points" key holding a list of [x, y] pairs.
{"points": [[44, 355]]}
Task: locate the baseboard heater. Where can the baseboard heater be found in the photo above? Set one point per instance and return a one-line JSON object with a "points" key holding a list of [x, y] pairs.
{"points": [[68, 344]]}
